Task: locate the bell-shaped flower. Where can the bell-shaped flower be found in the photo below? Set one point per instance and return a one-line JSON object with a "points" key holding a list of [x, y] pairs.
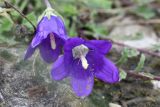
{"points": [[49, 38], [82, 61]]}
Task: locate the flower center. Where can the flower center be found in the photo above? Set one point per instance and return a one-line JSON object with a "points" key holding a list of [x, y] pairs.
{"points": [[81, 52], [52, 40]]}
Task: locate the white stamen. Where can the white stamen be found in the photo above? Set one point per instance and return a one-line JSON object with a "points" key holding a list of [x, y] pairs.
{"points": [[81, 52], [84, 62], [53, 42]]}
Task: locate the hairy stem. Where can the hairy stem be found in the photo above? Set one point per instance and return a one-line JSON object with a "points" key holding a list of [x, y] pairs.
{"points": [[47, 3]]}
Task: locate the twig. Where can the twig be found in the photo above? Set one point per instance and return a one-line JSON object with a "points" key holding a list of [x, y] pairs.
{"points": [[138, 49], [141, 76], [7, 3], [150, 21], [47, 3]]}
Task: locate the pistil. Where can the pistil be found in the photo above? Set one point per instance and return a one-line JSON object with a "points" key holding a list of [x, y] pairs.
{"points": [[53, 42]]}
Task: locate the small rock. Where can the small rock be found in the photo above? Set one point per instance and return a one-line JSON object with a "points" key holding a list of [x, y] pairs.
{"points": [[156, 84], [114, 105]]}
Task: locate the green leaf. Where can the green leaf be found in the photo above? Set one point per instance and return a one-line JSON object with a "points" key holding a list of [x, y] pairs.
{"points": [[132, 53], [122, 60], [32, 17], [99, 4], [23, 5], [98, 31], [127, 53], [122, 74], [69, 10], [1, 1], [3, 12], [2, 39], [5, 25], [156, 47], [141, 63], [124, 57], [145, 12]]}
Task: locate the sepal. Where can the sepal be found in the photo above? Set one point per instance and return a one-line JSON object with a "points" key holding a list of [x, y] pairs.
{"points": [[48, 13]]}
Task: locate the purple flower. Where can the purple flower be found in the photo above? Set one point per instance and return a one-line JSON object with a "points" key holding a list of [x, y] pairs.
{"points": [[50, 37], [82, 61]]}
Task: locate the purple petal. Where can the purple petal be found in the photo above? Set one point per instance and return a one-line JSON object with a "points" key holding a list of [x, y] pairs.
{"points": [[69, 45], [102, 46], [109, 73], [95, 60], [46, 26], [37, 39], [61, 27], [72, 42], [53, 25], [58, 71], [47, 53], [29, 52], [82, 80]]}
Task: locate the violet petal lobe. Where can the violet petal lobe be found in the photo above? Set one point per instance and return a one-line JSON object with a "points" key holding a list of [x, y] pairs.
{"points": [[29, 52], [47, 53], [46, 26], [102, 46], [109, 73], [95, 60], [38, 39], [54, 24], [82, 81], [68, 60], [61, 26], [72, 42], [58, 71]]}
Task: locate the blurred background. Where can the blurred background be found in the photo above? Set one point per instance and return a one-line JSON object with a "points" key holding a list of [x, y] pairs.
{"points": [[135, 23]]}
